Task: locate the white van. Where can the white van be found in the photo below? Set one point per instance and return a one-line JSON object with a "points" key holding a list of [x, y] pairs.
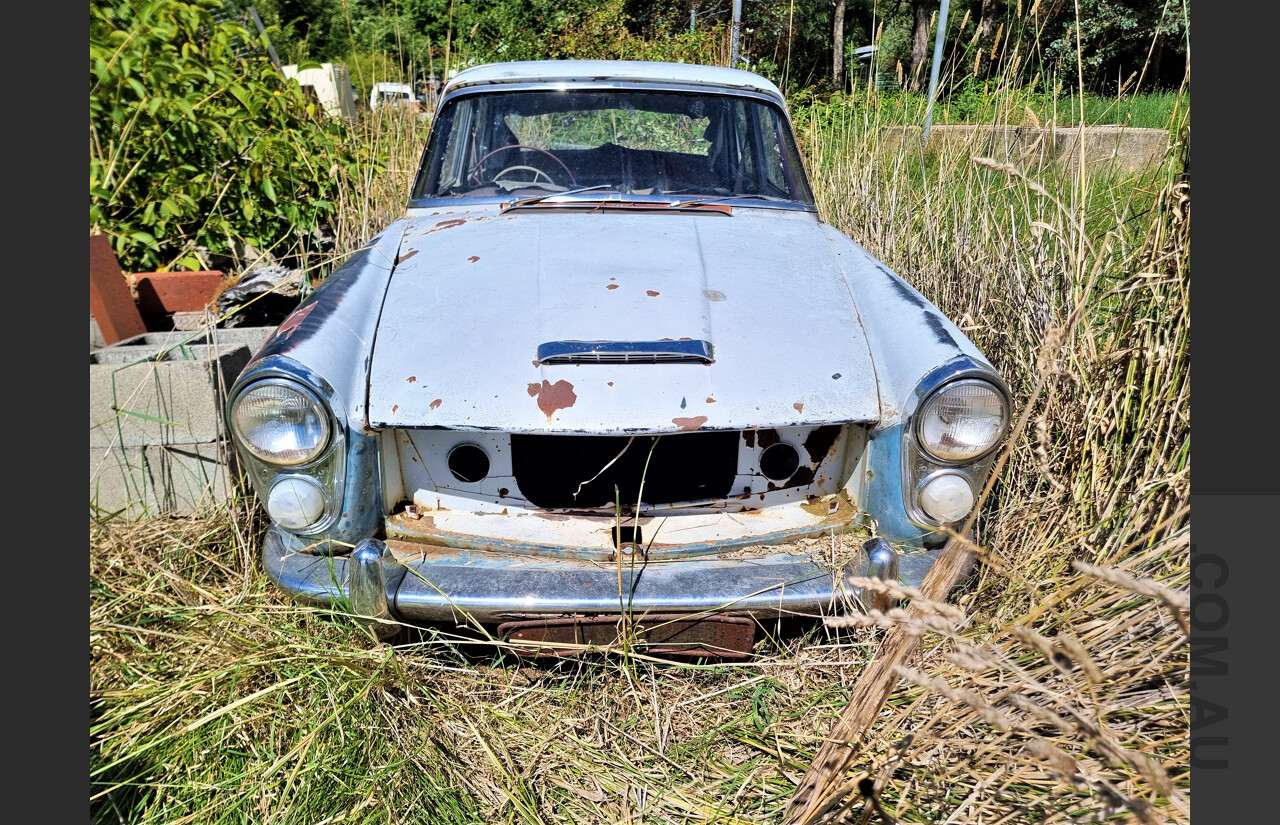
{"points": [[394, 94], [332, 86]]}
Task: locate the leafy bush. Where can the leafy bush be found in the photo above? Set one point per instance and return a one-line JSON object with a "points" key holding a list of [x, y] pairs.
{"points": [[197, 145]]}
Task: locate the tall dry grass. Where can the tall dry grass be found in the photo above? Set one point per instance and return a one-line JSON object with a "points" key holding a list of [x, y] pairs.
{"points": [[1052, 686]]}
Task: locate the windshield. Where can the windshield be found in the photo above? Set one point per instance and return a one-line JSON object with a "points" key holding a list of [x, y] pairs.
{"points": [[628, 141]]}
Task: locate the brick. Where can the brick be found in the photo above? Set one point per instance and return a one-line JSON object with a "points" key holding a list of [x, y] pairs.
{"points": [[164, 292], [110, 301]]}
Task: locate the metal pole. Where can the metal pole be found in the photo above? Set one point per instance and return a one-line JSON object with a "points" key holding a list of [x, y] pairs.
{"points": [[271, 50], [733, 40], [937, 64], [693, 18]]}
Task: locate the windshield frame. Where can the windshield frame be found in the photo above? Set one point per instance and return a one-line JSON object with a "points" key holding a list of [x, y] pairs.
{"points": [[791, 158]]}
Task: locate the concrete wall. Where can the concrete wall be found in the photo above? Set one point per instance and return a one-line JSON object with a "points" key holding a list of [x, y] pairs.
{"points": [[157, 441], [1106, 148]]}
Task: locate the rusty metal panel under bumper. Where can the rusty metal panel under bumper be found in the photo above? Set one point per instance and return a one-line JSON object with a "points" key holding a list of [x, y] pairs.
{"points": [[442, 584], [727, 637]]}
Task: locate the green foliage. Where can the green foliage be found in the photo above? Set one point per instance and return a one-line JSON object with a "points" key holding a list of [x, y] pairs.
{"points": [[194, 147], [601, 33]]}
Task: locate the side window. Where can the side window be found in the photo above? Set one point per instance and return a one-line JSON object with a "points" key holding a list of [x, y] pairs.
{"points": [[771, 137], [742, 147], [453, 157]]}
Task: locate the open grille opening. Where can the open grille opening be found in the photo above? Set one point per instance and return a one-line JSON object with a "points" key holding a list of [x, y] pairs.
{"points": [[572, 471]]}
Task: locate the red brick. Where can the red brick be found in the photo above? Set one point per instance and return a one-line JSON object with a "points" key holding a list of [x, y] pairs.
{"points": [[110, 302], [164, 292]]}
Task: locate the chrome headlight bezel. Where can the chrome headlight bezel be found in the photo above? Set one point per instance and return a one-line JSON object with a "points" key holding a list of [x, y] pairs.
{"points": [[318, 408], [327, 468], [919, 465]]}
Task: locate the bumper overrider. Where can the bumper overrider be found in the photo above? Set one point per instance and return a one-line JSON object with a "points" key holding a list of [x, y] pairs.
{"points": [[385, 583]]}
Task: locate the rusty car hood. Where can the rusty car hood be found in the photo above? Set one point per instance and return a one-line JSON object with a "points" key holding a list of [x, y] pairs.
{"points": [[475, 293]]}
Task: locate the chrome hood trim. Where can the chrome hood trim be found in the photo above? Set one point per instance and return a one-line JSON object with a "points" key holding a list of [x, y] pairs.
{"points": [[626, 352]]}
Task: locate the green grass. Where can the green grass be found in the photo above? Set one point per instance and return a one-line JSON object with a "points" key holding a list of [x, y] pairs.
{"points": [[991, 103]]}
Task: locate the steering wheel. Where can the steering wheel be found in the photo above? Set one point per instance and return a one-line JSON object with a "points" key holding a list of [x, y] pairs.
{"points": [[537, 173], [473, 174]]}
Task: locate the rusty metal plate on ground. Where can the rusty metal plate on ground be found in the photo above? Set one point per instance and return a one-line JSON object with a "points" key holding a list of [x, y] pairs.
{"points": [[729, 637]]}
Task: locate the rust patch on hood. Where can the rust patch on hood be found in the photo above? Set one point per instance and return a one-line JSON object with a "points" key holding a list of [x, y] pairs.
{"points": [[799, 407], [611, 286], [293, 322], [449, 224], [406, 256], [473, 259], [690, 424], [412, 379], [434, 404], [652, 293], [552, 397]]}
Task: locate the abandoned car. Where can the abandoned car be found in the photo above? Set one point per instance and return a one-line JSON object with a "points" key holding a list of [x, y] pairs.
{"points": [[611, 362]]}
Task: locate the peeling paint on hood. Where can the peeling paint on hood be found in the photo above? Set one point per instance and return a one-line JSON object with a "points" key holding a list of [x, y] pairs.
{"points": [[465, 319]]}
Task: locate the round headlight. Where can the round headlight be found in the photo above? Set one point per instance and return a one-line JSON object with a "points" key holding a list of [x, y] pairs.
{"points": [[963, 420], [295, 502], [281, 423], [946, 498]]}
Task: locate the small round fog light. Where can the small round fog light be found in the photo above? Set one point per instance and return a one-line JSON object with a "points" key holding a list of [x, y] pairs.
{"points": [[295, 503], [946, 498]]}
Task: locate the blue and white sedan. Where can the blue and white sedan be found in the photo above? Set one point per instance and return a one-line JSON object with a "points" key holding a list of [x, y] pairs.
{"points": [[611, 368]]}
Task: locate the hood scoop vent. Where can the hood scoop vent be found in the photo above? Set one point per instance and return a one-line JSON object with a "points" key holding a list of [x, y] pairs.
{"points": [[626, 352]]}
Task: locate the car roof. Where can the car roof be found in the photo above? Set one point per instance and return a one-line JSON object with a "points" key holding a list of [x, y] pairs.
{"points": [[608, 71]]}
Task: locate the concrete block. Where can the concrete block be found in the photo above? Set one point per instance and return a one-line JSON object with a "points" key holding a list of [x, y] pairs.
{"points": [[149, 395], [160, 480], [1111, 148], [1107, 148], [251, 337]]}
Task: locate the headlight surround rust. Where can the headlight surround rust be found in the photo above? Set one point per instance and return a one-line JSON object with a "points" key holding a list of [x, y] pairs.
{"points": [[281, 422], [963, 420]]}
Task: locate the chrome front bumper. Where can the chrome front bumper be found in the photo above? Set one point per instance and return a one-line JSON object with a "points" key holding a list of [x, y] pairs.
{"points": [[444, 584]]}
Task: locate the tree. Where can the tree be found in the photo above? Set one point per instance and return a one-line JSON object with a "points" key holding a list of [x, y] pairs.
{"points": [[837, 39], [920, 12]]}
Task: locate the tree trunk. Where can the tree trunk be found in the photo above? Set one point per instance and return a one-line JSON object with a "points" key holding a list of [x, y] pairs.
{"points": [[919, 41], [837, 38], [986, 32]]}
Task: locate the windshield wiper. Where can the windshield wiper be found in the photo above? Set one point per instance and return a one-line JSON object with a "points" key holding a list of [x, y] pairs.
{"points": [[703, 201], [540, 198]]}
